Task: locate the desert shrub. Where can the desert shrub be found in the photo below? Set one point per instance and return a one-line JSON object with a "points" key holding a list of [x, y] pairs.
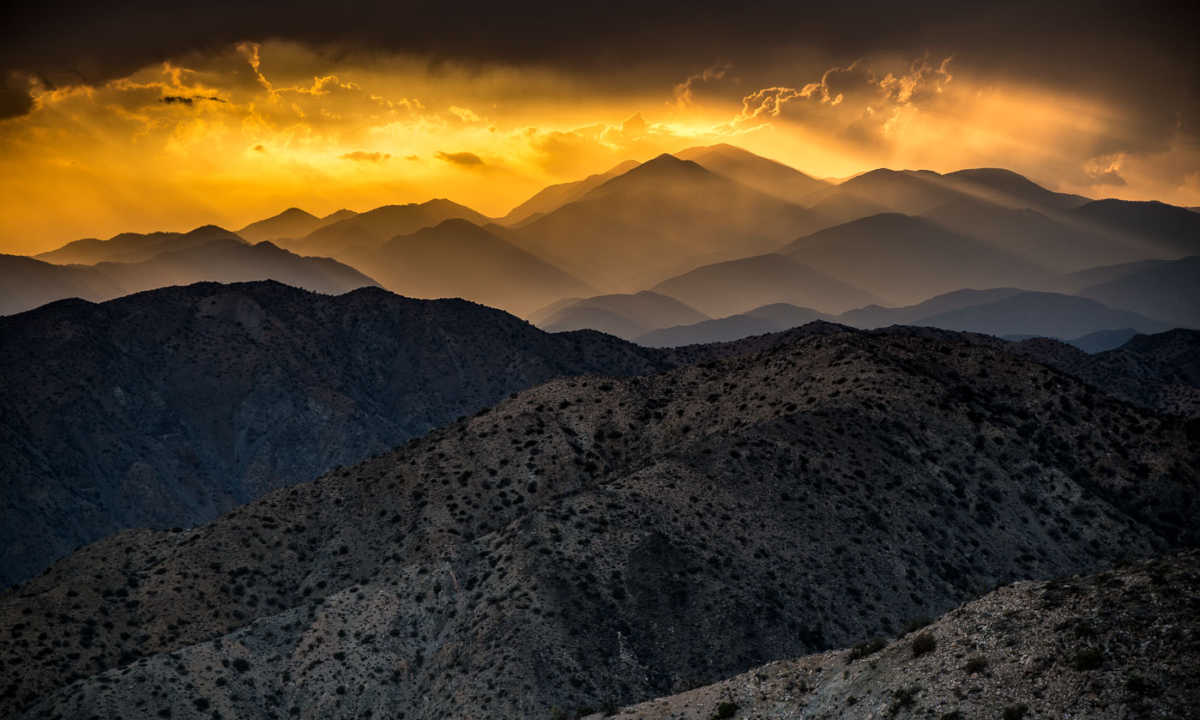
{"points": [[1140, 686], [725, 710], [1087, 659], [1015, 712], [903, 697], [865, 649], [923, 643], [976, 664]]}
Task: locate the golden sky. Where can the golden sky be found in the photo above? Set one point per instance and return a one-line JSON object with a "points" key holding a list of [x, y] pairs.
{"points": [[237, 133]]}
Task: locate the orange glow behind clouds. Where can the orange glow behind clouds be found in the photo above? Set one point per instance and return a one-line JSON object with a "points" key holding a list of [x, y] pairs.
{"points": [[241, 135]]}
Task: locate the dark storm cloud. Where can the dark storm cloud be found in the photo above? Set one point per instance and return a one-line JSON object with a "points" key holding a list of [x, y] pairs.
{"points": [[1143, 52], [187, 100], [465, 159]]}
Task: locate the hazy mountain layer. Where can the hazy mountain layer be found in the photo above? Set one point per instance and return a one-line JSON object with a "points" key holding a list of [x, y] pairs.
{"points": [[905, 259], [291, 223], [1043, 314], [26, 283], [737, 286], [916, 192], [766, 319], [626, 316], [134, 247], [1058, 243], [553, 197], [373, 228], [1102, 646], [460, 259], [762, 174], [1168, 291], [594, 542], [165, 408], [662, 218]]}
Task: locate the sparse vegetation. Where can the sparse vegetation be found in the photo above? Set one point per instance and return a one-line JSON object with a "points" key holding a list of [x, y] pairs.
{"points": [[866, 649], [923, 643]]}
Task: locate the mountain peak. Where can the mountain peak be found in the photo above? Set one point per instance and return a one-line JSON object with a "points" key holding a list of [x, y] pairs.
{"points": [[215, 231], [295, 213]]}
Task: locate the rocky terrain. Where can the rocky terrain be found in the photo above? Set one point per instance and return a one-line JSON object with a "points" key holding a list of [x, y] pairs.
{"points": [[166, 408], [1160, 371], [1119, 644], [593, 542]]}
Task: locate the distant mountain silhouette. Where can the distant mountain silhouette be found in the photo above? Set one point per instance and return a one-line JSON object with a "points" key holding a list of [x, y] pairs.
{"points": [[626, 316], [1103, 340], [1168, 291], [737, 286], [1043, 314], [551, 198], [906, 259], [291, 223], [26, 283], [134, 247], [168, 407], [373, 228], [1074, 282], [661, 218], [460, 259], [760, 173], [1004, 312], [766, 319], [916, 192], [1056, 244], [876, 316], [228, 261], [1164, 230], [1009, 189]]}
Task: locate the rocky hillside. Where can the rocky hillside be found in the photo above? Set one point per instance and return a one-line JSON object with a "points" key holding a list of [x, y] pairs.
{"points": [[598, 542], [166, 408], [1160, 371], [1120, 644]]}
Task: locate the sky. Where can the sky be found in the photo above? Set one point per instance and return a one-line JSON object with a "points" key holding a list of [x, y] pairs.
{"points": [[143, 116]]}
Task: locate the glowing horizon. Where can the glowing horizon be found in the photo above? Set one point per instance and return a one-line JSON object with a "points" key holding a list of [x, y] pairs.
{"points": [[237, 135]]}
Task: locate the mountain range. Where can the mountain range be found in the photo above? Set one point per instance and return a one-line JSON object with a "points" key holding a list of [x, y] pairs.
{"points": [[169, 407], [722, 230], [289, 224], [27, 283], [664, 217], [597, 542]]}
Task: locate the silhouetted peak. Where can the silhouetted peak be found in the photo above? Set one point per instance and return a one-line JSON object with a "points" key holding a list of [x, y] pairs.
{"points": [[210, 230], [662, 168], [339, 215]]}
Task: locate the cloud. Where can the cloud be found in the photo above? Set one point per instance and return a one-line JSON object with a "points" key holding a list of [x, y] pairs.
{"points": [[464, 159], [188, 100], [1105, 170], [683, 91], [362, 156], [464, 114]]}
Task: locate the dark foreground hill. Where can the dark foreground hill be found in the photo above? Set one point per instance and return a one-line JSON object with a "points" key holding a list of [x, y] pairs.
{"points": [[1120, 644], [1160, 371], [596, 542], [166, 408]]}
